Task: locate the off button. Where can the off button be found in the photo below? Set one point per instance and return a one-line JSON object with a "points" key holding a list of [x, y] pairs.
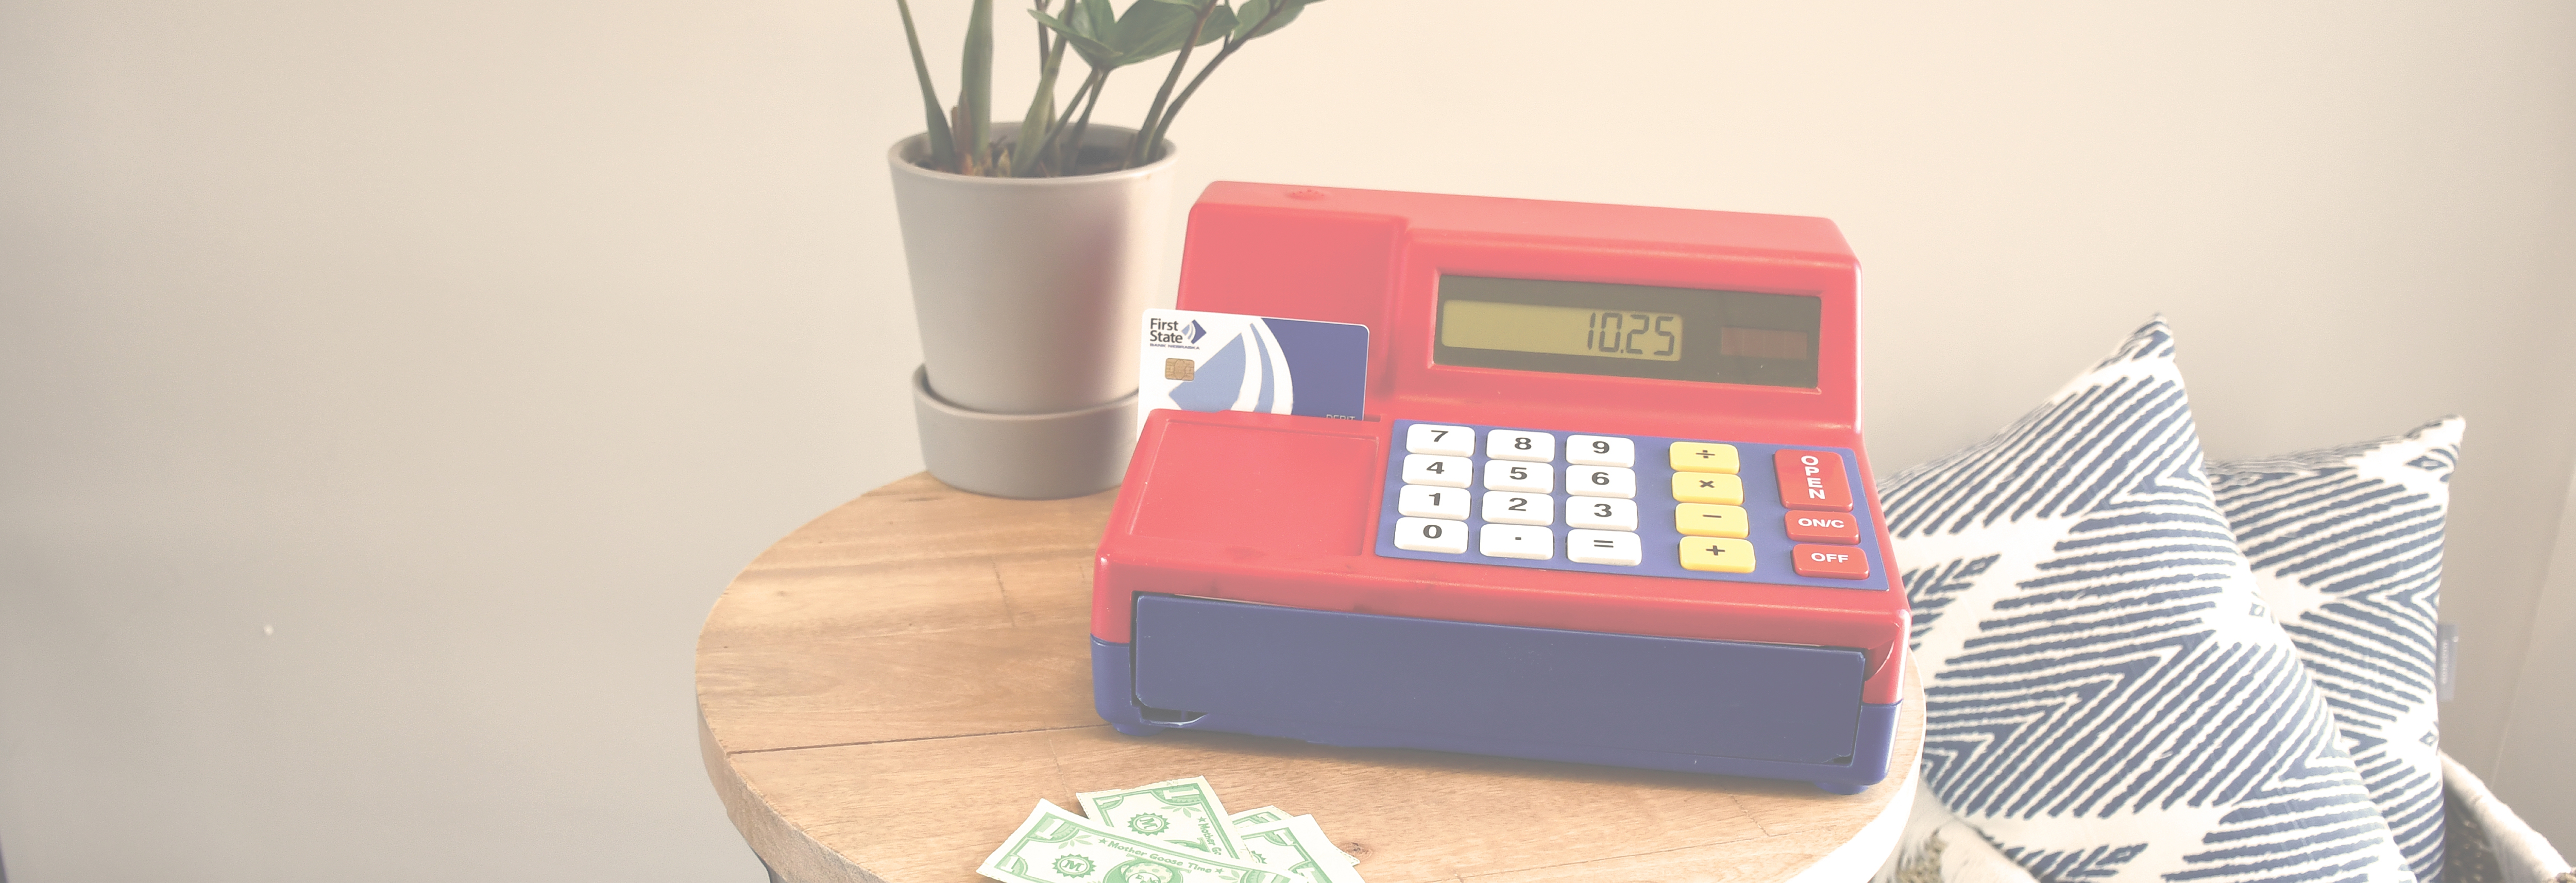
{"points": [[1834, 562]]}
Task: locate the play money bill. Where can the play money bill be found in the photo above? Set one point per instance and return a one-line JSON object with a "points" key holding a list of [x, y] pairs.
{"points": [[1298, 848], [1180, 812], [1262, 816], [1055, 846], [1267, 815]]}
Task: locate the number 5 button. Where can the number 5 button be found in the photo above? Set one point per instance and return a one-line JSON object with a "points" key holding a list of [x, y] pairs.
{"points": [[1529, 478]]}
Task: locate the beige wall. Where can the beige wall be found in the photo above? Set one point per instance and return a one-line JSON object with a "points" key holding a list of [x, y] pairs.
{"points": [[386, 389]]}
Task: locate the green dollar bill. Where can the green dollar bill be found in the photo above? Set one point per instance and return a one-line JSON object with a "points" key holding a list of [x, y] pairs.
{"points": [[1180, 812], [1296, 846], [1055, 846], [1262, 816]]}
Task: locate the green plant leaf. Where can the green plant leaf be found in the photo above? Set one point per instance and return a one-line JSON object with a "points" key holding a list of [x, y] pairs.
{"points": [[1254, 10], [943, 149], [1096, 20], [1148, 30], [1093, 52], [975, 93]]}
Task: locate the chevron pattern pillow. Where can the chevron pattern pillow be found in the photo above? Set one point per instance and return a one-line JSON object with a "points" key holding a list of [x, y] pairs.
{"points": [[2107, 698], [2346, 545]]}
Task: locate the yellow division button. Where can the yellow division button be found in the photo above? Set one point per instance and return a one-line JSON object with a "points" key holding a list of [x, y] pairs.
{"points": [[1704, 520], [1717, 554], [1703, 457], [1708, 487]]}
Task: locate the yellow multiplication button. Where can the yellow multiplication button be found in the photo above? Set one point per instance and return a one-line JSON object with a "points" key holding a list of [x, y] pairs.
{"points": [[1708, 487], [1705, 520], [1717, 554], [1703, 457]]}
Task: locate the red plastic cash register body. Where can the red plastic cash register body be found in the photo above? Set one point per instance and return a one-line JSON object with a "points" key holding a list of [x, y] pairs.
{"points": [[1323, 579]]}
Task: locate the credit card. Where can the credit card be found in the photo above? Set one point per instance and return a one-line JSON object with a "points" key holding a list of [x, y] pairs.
{"points": [[1200, 361]]}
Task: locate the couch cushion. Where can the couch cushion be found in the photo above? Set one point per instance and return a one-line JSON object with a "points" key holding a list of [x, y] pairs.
{"points": [[2346, 546], [2107, 698]]}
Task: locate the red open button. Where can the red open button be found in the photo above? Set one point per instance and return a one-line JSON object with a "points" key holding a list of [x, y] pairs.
{"points": [[1824, 527], [1838, 562], [1812, 480]]}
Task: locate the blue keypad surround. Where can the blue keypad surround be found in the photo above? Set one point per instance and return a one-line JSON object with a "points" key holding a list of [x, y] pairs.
{"points": [[1656, 533]]}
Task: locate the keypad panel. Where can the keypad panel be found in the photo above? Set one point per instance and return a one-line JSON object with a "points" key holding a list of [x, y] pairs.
{"points": [[1708, 509]]}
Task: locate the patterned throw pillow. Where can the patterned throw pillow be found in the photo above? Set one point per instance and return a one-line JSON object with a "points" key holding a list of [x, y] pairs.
{"points": [[2107, 698], [2346, 545]]}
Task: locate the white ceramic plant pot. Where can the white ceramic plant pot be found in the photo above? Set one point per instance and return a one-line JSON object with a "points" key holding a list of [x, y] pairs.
{"points": [[1027, 291]]}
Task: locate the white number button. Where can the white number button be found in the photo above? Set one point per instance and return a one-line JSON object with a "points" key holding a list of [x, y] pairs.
{"points": [[1600, 450], [1431, 535], [1602, 547], [1509, 508], [1516, 541], [1513, 444], [1422, 501], [1438, 471], [1601, 481], [1446, 441], [1601, 513], [1532, 478]]}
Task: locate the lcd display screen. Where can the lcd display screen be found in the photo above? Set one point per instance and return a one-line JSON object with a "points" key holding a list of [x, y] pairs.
{"points": [[1628, 330]]}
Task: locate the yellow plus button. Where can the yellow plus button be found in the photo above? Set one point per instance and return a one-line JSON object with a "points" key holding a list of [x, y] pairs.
{"points": [[1703, 457], [1708, 487], [1704, 520], [1717, 555]]}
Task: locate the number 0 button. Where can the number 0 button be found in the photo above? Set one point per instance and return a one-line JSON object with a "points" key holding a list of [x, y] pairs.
{"points": [[1431, 535]]}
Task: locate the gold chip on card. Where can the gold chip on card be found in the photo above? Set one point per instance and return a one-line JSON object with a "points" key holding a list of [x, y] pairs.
{"points": [[1179, 369]]}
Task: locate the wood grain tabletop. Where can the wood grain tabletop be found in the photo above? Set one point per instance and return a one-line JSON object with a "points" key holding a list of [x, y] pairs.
{"points": [[885, 693]]}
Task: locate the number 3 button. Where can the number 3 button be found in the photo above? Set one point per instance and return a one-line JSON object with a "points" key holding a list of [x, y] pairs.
{"points": [[1597, 513]]}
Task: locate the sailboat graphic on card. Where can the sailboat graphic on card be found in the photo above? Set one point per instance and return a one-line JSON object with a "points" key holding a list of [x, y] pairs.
{"points": [[1200, 361]]}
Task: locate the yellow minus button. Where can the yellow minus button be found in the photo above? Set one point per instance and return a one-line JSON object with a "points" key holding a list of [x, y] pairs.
{"points": [[1717, 555], [1708, 487], [1703, 457], [1704, 520]]}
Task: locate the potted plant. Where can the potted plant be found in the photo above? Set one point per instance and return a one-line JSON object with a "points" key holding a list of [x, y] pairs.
{"points": [[1031, 245]]}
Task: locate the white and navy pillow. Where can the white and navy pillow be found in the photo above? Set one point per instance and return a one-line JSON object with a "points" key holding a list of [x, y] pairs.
{"points": [[2346, 545], [2107, 698]]}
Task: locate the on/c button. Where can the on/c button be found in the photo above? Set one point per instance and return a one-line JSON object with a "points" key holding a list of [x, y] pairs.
{"points": [[1837, 562]]}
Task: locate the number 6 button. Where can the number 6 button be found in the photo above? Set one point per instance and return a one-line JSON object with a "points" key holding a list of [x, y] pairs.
{"points": [[1601, 481]]}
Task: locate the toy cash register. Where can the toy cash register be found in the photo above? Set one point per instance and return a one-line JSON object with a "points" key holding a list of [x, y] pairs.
{"points": [[1606, 504]]}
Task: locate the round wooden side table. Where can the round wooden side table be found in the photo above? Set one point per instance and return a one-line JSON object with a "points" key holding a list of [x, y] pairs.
{"points": [[884, 694]]}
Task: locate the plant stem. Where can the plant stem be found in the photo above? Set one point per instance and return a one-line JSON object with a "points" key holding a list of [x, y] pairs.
{"points": [[1143, 145], [1073, 140], [975, 96], [1231, 44], [943, 149], [1055, 133]]}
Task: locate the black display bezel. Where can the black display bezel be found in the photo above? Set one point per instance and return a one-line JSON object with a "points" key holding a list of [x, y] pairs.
{"points": [[1700, 308]]}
